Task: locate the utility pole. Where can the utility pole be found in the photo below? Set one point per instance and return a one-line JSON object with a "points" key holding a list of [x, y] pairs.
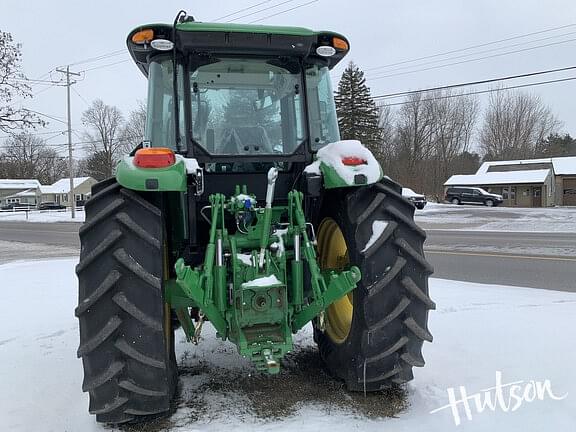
{"points": [[71, 196]]}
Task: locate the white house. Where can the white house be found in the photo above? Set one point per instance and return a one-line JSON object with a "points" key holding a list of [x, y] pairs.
{"points": [[12, 191], [58, 192]]}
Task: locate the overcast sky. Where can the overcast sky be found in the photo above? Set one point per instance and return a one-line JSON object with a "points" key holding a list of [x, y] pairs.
{"points": [[55, 33]]}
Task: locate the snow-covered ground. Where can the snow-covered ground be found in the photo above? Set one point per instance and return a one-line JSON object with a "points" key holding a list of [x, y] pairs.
{"points": [[41, 216], [526, 334], [471, 217]]}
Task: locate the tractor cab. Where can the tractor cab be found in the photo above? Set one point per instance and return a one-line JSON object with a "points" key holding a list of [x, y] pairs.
{"points": [[249, 97]]}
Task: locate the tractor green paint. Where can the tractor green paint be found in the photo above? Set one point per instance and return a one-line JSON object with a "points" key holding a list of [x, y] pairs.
{"points": [[258, 307], [252, 269], [169, 179]]}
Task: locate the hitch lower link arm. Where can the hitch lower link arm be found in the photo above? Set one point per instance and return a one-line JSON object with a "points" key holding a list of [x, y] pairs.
{"points": [[324, 294]]}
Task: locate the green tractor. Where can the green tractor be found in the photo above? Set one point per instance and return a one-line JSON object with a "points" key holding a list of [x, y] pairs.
{"points": [[242, 207]]}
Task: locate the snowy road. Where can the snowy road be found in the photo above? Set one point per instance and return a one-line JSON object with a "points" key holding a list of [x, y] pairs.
{"points": [[526, 243], [513, 243], [554, 273], [57, 233], [508, 258], [526, 334], [478, 217]]}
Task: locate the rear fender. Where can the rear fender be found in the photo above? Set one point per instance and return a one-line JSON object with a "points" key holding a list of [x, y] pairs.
{"points": [[169, 179], [346, 163]]}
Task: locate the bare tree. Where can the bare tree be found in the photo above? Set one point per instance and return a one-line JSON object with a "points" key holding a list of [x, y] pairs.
{"points": [[95, 165], [453, 117], [432, 130], [133, 131], [514, 125], [105, 123], [13, 85], [26, 156], [383, 152], [413, 144]]}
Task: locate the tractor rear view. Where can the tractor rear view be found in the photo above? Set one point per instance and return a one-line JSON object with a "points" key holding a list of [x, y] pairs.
{"points": [[242, 207]]}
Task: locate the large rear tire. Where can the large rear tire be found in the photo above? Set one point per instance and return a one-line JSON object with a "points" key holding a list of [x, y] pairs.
{"points": [[373, 338], [126, 338]]}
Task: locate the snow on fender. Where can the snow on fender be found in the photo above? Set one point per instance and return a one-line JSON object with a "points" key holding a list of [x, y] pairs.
{"points": [[334, 155]]}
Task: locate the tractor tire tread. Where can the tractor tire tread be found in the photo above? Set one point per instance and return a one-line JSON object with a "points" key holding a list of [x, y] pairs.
{"points": [[110, 280], [121, 300], [129, 367], [391, 301]]}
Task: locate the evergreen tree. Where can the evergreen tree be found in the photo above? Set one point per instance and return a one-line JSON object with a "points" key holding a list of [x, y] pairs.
{"points": [[358, 115], [557, 145]]}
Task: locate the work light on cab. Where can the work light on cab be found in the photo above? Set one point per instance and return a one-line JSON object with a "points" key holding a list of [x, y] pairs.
{"points": [[157, 157]]}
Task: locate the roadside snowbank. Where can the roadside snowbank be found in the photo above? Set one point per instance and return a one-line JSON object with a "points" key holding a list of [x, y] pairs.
{"points": [[42, 216], [478, 329], [470, 217]]}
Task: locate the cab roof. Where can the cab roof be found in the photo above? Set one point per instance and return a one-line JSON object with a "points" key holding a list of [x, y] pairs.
{"points": [[193, 37]]}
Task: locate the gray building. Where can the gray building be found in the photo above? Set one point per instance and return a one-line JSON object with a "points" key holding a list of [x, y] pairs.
{"points": [[526, 183]]}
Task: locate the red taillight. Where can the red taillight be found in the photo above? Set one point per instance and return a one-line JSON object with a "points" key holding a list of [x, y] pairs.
{"points": [[353, 161], [154, 157]]}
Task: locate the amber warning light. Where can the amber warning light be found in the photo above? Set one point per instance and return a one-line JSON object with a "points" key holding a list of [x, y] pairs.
{"points": [[143, 36], [154, 157], [353, 161]]}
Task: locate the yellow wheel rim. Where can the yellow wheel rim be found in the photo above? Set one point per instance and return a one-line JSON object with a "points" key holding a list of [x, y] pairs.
{"points": [[333, 254]]}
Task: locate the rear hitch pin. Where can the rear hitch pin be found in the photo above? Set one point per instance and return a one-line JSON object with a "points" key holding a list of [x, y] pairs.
{"points": [[270, 361], [198, 328]]}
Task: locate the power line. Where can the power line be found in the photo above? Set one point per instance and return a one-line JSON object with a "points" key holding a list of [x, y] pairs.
{"points": [[80, 96], [46, 115], [261, 10], [118, 52], [472, 60], [34, 134], [33, 82], [99, 58], [54, 136], [83, 144], [471, 83], [472, 47], [104, 66], [484, 91], [22, 99], [480, 52], [243, 10], [282, 12]]}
